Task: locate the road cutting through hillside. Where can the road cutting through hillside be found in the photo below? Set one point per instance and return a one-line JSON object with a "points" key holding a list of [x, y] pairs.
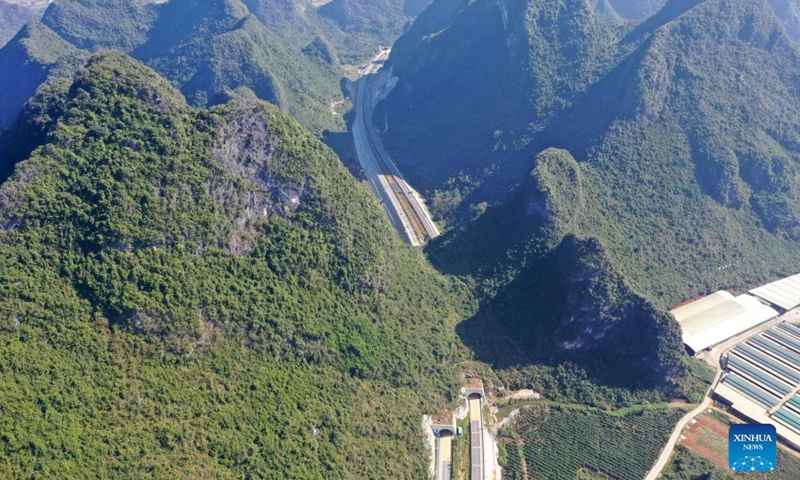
{"points": [[403, 205]]}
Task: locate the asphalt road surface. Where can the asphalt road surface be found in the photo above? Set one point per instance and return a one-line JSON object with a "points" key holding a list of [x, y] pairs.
{"points": [[476, 440], [445, 469]]}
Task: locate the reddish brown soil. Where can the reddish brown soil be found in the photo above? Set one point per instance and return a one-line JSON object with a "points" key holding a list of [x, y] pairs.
{"points": [[705, 427]]}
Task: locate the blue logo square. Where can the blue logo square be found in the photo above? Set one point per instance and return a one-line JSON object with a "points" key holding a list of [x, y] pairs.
{"points": [[752, 448]]}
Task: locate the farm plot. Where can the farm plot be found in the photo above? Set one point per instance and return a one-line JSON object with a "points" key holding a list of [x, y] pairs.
{"points": [[564, 444], [703, 453], [709, 439], [687, 464]]}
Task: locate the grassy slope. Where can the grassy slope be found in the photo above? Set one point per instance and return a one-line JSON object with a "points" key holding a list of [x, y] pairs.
{"points": [[177, 306]]}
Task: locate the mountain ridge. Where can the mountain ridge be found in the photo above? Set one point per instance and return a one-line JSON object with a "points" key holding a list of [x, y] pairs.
{"points": [[675, 140], [211, 53], [200, 304]]}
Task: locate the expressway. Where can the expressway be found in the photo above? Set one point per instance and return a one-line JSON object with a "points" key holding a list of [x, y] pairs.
{"points": [[403, 205], [476, 439], [445, 469]]}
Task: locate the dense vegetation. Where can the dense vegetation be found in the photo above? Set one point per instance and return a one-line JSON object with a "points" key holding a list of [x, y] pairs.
{"points": [[99, 24], [354, 28], [787, 11], [675, 173], [558, 443], [207, 293], [195, 294], [13, 17], [212, 50], [688, 180], [559, 300], [283, 51], [35, 55], [363, 24]]}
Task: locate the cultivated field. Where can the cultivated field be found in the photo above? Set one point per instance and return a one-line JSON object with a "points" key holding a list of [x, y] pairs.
{"points": [[703, 454], [709, 439], [555, 443]]}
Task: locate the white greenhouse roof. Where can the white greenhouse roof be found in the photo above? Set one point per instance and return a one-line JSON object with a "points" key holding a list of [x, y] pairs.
{"points": [[686, 311], [718, 317], [783, 293]]}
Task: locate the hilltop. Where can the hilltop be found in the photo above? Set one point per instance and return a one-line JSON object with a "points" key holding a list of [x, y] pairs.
{"points": [[33, 56], [13, 17], [287, 52]]}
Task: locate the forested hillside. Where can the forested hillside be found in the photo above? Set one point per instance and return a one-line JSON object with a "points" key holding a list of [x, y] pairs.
{"points": [[675, 173], [99, 24], [193, 286], [33, 56], [287, 52], [13, 17], [212, 50], [684, 129], [205, 294]]}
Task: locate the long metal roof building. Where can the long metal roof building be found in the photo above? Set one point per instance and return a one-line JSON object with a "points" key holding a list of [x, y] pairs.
{"points": [[763, 380], [784, 293], [718, 317]]}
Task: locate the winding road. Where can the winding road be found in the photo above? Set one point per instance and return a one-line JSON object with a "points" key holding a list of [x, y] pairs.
{"points": [[666, 453]]}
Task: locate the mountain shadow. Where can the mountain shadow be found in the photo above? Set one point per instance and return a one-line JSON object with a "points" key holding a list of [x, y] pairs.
{"points": [[572, 307]]}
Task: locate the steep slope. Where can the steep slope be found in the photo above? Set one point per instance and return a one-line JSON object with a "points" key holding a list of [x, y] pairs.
{"points": [[716, 133], [788, 11], [208, 49], [355, 28], [553, 294], [475, 78], [676, 173], [293, 20], [220, 46], [35, 54], [605, 11], [700, 104], [13, 17], [637, 9], [206, 294], [362, 25], [99, 24]]}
